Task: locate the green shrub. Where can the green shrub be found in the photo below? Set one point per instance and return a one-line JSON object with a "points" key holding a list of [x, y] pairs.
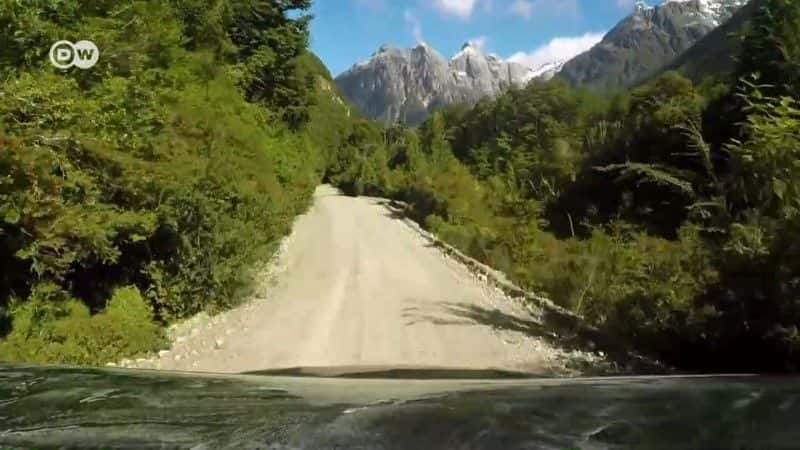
{"points": [[51, 327]]}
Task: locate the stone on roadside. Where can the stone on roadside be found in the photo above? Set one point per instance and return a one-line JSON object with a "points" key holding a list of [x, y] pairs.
{"points": [[219, 343]]}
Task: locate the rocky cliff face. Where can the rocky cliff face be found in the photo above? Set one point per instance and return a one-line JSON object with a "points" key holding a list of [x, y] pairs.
{"points": [[406, 85], [646, 42]]}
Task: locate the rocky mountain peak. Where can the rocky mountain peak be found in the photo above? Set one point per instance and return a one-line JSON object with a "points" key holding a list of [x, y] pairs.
{"points": [[640, 7], [468, 49], [405, 85], [646, 41], [715, 12], [469, 45], [548, 70], [422, 47]]}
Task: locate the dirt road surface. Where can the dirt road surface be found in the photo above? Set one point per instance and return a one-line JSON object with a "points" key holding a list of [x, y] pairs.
{"points": [[356, 286]]}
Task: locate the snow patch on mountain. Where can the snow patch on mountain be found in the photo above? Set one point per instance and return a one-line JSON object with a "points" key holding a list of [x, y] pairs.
{"points": [[714, 11], [547, 70]]}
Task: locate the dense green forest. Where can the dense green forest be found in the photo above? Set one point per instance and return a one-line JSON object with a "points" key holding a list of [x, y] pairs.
{"points": [[668, 216], [151, 187]]}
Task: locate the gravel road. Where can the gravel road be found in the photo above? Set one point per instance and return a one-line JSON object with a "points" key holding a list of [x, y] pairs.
{"points": [[356, 286]]}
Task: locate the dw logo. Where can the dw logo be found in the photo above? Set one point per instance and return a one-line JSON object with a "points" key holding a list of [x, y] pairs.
{"points": [[82, 54]]}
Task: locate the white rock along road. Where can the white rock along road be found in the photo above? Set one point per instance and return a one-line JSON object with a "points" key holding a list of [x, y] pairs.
{"points": [[355, 286]]}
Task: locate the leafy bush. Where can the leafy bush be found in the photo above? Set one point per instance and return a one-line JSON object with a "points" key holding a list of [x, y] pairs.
{"points": [[51, 327], [626, 281], [756, 305]]}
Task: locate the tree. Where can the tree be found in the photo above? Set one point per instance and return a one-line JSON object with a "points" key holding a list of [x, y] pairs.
{"points": [[434, 139], [269, 39], [771, 47]]}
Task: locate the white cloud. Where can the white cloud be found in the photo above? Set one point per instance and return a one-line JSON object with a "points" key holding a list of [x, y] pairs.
{"points": [[413, 22], [626, 4], [522, 8], [558, 49], [461, 9], [526, 9]]}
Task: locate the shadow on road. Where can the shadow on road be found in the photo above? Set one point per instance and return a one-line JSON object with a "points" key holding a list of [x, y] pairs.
{"points": [[558, 329]]}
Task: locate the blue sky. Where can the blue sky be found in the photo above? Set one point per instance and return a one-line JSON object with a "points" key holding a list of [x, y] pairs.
{"points": [[531, 31]]}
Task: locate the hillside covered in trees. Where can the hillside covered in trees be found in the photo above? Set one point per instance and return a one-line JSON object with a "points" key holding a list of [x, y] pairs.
{"points": [[666, 216], [152, 186]]}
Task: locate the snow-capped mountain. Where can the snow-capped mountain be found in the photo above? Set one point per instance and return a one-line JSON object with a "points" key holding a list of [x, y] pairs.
{"points": [[405, 85], [717, 54], [715, 12], [646, 41], [548, 70]]}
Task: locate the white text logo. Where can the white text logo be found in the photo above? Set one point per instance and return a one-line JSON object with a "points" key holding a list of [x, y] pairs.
{"points": [[82, 54]]}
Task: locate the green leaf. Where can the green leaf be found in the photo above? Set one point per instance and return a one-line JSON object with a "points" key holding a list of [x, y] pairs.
{"points": [[11, 216]]}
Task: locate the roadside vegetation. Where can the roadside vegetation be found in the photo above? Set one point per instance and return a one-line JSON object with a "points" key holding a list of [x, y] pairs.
{"points": [[152, 186], [667, 216]]}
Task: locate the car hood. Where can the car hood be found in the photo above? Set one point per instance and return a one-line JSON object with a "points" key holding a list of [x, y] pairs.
{"points": [[53, 407]]}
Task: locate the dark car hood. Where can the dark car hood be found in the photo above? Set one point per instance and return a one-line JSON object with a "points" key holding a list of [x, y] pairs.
{"points": [[49, 407]]}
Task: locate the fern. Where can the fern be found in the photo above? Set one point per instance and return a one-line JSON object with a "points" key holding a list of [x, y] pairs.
{"points": [[655, 174]]}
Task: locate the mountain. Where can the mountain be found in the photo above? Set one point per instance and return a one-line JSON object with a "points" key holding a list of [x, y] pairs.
{"points": [[715, 54], [406, 85], [645, 42], [548, 70]]}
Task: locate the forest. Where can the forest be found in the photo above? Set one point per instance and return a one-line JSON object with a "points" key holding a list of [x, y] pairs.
{"points": [[154, 186], [666, 216]]}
